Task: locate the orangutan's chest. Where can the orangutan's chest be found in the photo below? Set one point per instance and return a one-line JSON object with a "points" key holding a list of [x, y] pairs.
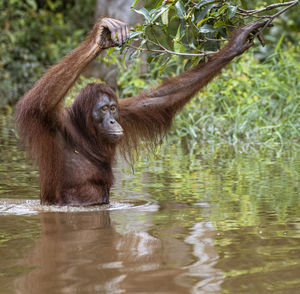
{"points": [[78, 170]]}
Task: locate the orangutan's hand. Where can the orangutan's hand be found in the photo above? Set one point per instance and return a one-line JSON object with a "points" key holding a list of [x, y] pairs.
{"points": [[110, 32], [242, 38]]}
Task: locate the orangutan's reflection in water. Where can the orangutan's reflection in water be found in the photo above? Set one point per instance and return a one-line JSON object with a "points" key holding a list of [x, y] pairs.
{"points": [[84, 253]]}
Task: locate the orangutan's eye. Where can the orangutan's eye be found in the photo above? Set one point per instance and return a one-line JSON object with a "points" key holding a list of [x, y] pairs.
{"points": [[113, 108], [104, 108]]}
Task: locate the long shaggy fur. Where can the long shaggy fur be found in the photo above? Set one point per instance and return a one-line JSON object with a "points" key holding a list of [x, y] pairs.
{"points": [[74, 162]]}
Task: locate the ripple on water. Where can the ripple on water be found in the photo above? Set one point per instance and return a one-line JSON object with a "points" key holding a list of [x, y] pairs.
{"points": [[23, 207]]}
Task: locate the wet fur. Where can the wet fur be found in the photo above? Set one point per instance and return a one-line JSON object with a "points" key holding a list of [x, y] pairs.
{"points": [[74, 163]]}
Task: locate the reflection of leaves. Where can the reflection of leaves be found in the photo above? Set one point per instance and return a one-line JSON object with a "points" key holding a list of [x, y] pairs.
{"points": [[230, 183]]}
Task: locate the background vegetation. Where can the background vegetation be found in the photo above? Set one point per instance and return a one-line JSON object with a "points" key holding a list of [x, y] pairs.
{"points": [[196, 29], [254, 103], [34, 35]]}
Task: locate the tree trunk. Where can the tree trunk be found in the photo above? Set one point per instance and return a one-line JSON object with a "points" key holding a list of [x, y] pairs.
{"points": [[119, 9]]}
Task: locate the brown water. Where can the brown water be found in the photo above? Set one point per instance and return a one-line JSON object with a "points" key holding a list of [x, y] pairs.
{"points": [[205, 221]]}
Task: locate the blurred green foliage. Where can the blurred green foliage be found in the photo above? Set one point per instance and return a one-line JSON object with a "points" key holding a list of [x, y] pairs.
{"points": [[36, 34], [256, 101], [252, 103]]}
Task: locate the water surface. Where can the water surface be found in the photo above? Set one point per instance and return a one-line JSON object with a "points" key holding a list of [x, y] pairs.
{"points": [[204, 221]]}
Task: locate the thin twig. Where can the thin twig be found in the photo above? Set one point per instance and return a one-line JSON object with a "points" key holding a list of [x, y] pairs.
{"points": [[242, 12], [270, 7], [172, 52], [216, 40], [144, 49], [158, 44], [271, 18]]}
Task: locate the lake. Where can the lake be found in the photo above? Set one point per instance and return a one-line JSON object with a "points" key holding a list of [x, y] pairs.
{"points": [[207, 220]]}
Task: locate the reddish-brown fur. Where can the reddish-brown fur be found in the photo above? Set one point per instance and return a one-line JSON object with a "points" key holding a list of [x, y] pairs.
{"points": [[74, 163]]}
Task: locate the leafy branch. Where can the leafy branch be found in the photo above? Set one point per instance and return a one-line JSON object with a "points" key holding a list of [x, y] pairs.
{"points": [[270, 18], [194, 29]]}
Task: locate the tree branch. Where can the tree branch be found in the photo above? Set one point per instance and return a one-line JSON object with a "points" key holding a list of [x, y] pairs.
{"points": [[165, 50], [270, 7], [254, 13], [272, 17]]}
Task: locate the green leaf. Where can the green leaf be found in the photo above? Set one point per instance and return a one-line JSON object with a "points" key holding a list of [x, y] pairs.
{"points": [[158, 4], [162, 67], [180, 9], [201, 22], [165, 17], [196, 60], [11, 36], [178, 46], [134, 34], [192, 132], [205, 2], [142, 43], [159, 12], [204, 12], [134, 3], [157, 33], [244, 4], [231, 11], [219, 23], [207, 29], [143, 11], [222, 9], [51, 4], [279, 43], [109, 52], [32, 4]]}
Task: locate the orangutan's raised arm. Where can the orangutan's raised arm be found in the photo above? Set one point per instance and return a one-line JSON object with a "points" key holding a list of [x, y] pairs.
{"points": [[148, 115], [38, 113], [50, 90]]}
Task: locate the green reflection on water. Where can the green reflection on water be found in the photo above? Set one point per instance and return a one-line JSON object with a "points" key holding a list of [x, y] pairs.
{"points": [[247, 189], [242, 208], [18, 178]]}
